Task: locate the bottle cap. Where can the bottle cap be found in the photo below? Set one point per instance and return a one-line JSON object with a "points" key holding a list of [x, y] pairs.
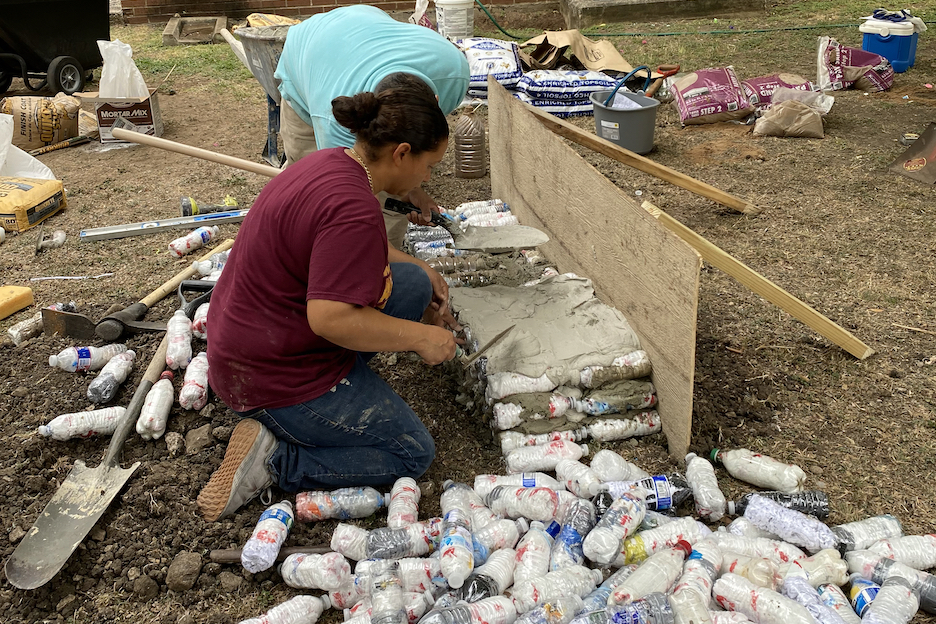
{"points": [[553, 528], [53, 360], [456, 580], [594, 488], [45, 431], [690, 457], [714, 456], [523, 525], [167, 375], [599, 576], [447, 484], [326, 602], [347, 614], [684, 546], [584, 450]]}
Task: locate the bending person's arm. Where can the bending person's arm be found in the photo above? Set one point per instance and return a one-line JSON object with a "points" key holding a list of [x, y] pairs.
{"points": [[365, 329]]}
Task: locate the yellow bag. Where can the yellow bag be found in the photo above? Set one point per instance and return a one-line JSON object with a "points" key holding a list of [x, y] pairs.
{"points": [[24, 202], [41, 121]]}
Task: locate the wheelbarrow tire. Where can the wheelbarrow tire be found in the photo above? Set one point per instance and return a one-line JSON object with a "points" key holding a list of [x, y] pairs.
{"points": [[66, 74], [6, 79]]}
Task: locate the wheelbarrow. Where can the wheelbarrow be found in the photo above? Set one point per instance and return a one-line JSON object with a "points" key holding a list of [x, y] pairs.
{"points": [[53, 41]]}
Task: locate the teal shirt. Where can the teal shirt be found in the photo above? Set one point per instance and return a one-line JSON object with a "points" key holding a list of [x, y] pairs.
{"points": [[349, 50]]}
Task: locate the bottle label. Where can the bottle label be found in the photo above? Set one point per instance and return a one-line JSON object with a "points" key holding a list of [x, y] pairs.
{"points": [[84, 358], [204, 234], [861, 600], [528, 480], [277, 514], [661, 492]]}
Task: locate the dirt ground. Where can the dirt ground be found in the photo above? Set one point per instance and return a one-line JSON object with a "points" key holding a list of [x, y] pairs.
{"points": [[838, 231]]}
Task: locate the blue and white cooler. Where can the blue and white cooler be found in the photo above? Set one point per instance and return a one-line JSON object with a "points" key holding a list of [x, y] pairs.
{"points": [[894, 38]]}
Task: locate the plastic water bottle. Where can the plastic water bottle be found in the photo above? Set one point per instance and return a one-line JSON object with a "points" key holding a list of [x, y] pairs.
{"points": [[481, 515], [833, 597], [603, 543], [654, 520], [485, 483], [660, 492], [862, 533], [760, 470], [498, 204], [194, 392], [296, 610], [578, 520], [728, 617], [878, 569], [215, 262], [413, 540], [155, 412], [812, 502], [916, 551], [80, 359], [710, 502], [610, 466], [629, 366], [896, 603], [417, 574], [414, 607], [260, 551], [32, 327], [775, 550], [575, 580], [597, 599], [560, 404], [179, 332], [759, 604], [347, 596], [602, 501], [826, 566], [312, 571], [83, 424], [799, 590], [534, 458], [493, 610], [745, 528], [457, 553], [470, 155], [386, 594], [538, 503], [578, 478], [492, 578], [656, 574], [200, 321], [500, 385], [862, 593], [492, 220], [511, 440], [495, 536], [103, 388], [693, 591], [614, 429], [343, 504], [758, 570], [403, 508], [645, 543], [532, 554], [650, 609], [558, 611], [792, 526], [350, 541], [195, 239]]}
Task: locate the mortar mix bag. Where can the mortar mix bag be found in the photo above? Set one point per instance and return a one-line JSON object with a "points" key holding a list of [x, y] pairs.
{"points": [[839, 67], [41, 121], [710, 95]]}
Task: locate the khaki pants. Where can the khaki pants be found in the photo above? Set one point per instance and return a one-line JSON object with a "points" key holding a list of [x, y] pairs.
{"points": [[299, 141]]}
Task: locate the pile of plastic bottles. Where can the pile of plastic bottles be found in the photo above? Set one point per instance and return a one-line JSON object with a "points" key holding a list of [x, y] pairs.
{"points": [[598, 545]]}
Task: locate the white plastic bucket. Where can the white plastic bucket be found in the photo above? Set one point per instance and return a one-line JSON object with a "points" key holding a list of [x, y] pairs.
{"points": [[455, 18]]}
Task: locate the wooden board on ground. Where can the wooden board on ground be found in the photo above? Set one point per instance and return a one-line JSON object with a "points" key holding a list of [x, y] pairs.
{"points": [[597, 231]]}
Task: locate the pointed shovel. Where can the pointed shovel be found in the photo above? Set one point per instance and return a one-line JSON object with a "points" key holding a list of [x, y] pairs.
{"points": [[80, 501]]}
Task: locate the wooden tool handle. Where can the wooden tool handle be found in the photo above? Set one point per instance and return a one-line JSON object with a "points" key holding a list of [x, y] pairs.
{"points": [[173, 284], [233, 555]]}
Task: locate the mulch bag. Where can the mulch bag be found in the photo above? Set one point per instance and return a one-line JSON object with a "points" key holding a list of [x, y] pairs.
{"points": [[41, 121], [559, 108], [760, 89], [552, 84], [120, 77], [494, 57], [841, 67], [710, 95]]}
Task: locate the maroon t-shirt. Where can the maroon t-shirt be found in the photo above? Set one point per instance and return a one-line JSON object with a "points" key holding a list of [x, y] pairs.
{"points": [[314, 232]]}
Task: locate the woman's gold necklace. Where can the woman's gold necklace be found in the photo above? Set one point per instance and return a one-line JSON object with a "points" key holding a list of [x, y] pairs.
{"points": [[357, 157]]}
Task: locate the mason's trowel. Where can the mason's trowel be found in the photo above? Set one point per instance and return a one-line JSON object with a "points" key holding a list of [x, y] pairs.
{"points": [[496, 239]]}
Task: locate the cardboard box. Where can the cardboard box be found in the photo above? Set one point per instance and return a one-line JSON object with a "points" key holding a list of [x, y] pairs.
{"points": [[141, 112], [25, 202]]}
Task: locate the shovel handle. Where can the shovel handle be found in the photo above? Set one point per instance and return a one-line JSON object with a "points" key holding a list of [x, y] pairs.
{"points": [[173, 284], [233, 555]]}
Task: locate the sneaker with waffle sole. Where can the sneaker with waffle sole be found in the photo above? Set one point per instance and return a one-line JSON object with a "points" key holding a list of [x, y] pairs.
{"points": [[244, 473]]}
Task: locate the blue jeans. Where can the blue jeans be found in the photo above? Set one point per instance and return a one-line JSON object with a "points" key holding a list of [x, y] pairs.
{"points": [[360, 432]]}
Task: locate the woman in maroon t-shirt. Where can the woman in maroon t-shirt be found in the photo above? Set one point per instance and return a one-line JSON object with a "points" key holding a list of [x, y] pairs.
{"points": [[311, 290]]}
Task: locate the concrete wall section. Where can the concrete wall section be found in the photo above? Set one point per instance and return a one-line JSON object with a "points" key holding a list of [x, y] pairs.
{"points": [[597, 231], [580, 14]]}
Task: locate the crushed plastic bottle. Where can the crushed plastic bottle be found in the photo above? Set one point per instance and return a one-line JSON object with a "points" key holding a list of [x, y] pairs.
{"points": [[194, 392], [493, 610], [792, 526], [826, 566], [179, 334], [417, 574], [414, 607], [342, 504], [83, 424], [645, 543], [896, 603], [759, 604], [386, 594], [260, 551], [862, 593], [656, 574], [916, 551], [660, 492], [532, 554], [577, 580], [878, 569], [775, 550], [481, 515], [80, 359], [403, 508], [155, 412], [537, 503], [745, 528], [598, 597], [484, 484], [629, 366], [578, 520], [615, 429], [603, 543], [347, 596], [610, 466], [799, 590], [32, 327], [492, 578], [511, 440], [654, 520], [693, 591], [195, 239], [558, 611], [833, 597], [495, 536], [350, 541], [215, 262], [862, 533], [578, 478], [710, 502], [200, 321], [535, 458], [760, 470], [812, 502], [413, 540], [758, 570], [652, 608], [296, 610], [728, 617], [104, 387], [457, 552], [327, 571]]}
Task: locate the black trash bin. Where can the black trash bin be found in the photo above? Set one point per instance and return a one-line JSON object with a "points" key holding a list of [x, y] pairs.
{"points": [[54, 41]]}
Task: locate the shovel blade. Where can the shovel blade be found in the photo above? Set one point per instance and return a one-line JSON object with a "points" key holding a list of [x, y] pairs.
{"points": [[68, 517], [68, 324]]}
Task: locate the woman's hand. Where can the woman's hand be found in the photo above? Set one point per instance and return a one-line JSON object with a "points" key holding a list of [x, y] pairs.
{"points": [[437, 346], [426, 204]]}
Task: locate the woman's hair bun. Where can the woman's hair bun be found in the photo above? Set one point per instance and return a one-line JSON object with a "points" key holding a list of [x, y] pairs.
{"points": [[356, 112]]}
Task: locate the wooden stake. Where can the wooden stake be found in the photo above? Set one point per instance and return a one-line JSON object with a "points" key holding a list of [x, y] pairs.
{"points": [[618, 153], [762, 286], [916, 329]]}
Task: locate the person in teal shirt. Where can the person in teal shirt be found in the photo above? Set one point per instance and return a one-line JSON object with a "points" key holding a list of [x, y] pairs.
{"points": [[349, 50]]}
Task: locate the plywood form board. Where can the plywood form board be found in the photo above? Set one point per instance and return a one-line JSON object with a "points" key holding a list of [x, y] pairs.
{"points": [[597, 231]]}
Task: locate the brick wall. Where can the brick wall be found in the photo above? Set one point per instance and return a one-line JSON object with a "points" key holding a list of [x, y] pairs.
{"points": [[159, 11]]}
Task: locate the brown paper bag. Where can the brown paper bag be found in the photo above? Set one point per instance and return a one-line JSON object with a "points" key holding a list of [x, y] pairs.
{"points": [[790, 119], [594, 55]]}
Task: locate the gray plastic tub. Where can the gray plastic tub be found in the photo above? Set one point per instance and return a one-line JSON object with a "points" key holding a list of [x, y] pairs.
{"points": [[631, 129]]}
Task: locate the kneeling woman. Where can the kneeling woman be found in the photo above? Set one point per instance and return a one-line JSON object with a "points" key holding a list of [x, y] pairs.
{"points": [[311, 290]]}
